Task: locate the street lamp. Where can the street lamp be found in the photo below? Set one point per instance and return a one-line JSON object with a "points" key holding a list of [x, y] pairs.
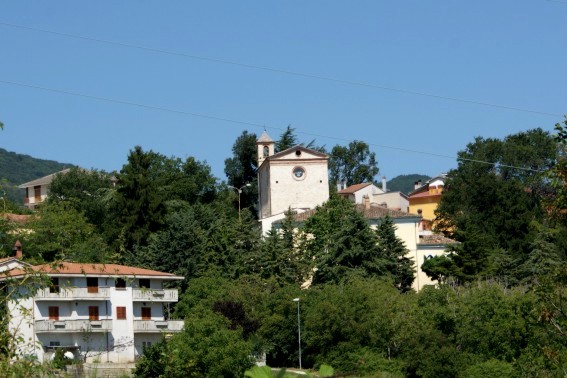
{"points": [[239, 190], [298, 329]]}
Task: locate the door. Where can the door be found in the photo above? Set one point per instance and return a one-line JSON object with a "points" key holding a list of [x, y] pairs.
{"points": [[146, 313], [92, 284], [93, 313], [37, 193], [53, 313]]}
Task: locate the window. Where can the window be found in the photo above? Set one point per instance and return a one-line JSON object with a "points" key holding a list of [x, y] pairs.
{"points": [[53, 313], [37, 193], [146, 313], [93, 313], [266, 151], [146, 344], [54, 287], [92, 284], [120, 284], [298, 173], [144, 283], [54, 343], [121, 313]]}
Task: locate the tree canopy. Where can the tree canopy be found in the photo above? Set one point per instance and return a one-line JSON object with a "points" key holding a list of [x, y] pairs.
{"points": [[353, 164]]}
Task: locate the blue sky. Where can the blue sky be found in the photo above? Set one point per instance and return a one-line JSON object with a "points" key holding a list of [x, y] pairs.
{"points": [[502, 52]]}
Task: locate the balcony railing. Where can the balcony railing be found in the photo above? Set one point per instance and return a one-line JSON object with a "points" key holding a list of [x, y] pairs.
{"points": [[158, 325], [73, 326], [153, 295], [72, 293]]}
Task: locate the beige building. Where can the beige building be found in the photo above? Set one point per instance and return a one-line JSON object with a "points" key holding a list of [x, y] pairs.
{"points": [[296, 179], [36, 191], [419, 246]]}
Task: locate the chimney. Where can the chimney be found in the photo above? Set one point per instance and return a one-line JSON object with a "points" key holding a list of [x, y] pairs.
{"points": [[339, 186], [417, 185], [17, 249], [384, 189]]}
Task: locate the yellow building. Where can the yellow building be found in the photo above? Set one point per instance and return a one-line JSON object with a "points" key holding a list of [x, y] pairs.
{"points": [[425, 198]]}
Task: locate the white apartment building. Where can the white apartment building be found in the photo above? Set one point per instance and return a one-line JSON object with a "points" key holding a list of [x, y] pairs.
{"points": [[99, 312]]}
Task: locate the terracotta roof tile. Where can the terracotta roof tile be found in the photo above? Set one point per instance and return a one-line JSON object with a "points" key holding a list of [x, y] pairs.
{"points": [[45, 180], [424, 195], [373, 212], [264, 138], [436, 239], [17, 218], [71, 268], [354, 188]]}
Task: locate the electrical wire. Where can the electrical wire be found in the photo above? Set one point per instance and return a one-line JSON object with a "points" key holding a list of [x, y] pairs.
{"points": [[284, 71], [253, 124]]}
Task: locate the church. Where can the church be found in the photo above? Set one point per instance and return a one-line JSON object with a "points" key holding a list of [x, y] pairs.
{"points": [[295, 178], [298, 179]]}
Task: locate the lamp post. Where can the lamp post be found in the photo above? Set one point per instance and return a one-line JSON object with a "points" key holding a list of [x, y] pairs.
{"points": [[239, 190], [298, 329]]}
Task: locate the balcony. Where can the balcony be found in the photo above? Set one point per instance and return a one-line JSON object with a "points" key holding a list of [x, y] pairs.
{"points": [[69, 326], [153, 295], [157, 326], [73, 293]]}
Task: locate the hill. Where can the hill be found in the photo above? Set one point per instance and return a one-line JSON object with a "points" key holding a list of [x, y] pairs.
{"points": [[405, 183], [15, 169]]}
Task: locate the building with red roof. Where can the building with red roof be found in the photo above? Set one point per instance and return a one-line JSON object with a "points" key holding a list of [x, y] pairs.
{"points": [[102, 312]]}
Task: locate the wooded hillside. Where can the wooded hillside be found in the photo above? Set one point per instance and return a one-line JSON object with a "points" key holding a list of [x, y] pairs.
{"points": [[15, 169]]}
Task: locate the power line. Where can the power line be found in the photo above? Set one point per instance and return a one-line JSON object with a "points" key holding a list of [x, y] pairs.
{"points": [[283, 71], [253, 124]]}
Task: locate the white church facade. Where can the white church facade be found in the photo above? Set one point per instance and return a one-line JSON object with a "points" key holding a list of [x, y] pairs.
{"points": [[297, 179]]}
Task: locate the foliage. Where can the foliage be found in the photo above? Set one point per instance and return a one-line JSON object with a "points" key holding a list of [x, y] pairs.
{"points": [[61, 232], [87, 192], [354, 164], [558, 176], [405, 183], [491, 208], [287, 140], [205, 348], [340, 241], [145, 183], [402, 268], [279, 258], [241, 168], [17, 169], [197, 238]]}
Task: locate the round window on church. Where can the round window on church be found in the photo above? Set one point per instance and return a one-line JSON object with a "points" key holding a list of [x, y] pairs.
{"points": [[298, 173]]}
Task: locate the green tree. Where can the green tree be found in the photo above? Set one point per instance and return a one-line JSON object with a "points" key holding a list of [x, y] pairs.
{"points": [[145, 184], [242, 167], [341, 242], [354, 164], [396, 252], [557, 175], [278, 257], [287, 139], [489, 208], [199, 238], [205, 348], [88, 192], [61, 232]]}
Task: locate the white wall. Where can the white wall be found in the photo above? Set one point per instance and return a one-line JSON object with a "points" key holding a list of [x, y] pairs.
{"points": [[287, 191]]}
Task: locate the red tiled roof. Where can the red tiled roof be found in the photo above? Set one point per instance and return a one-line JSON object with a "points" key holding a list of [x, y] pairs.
{"points": [[373, 212], [354, 188], [17, 218], [435, 239], [424, 195], [71, 268]]}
